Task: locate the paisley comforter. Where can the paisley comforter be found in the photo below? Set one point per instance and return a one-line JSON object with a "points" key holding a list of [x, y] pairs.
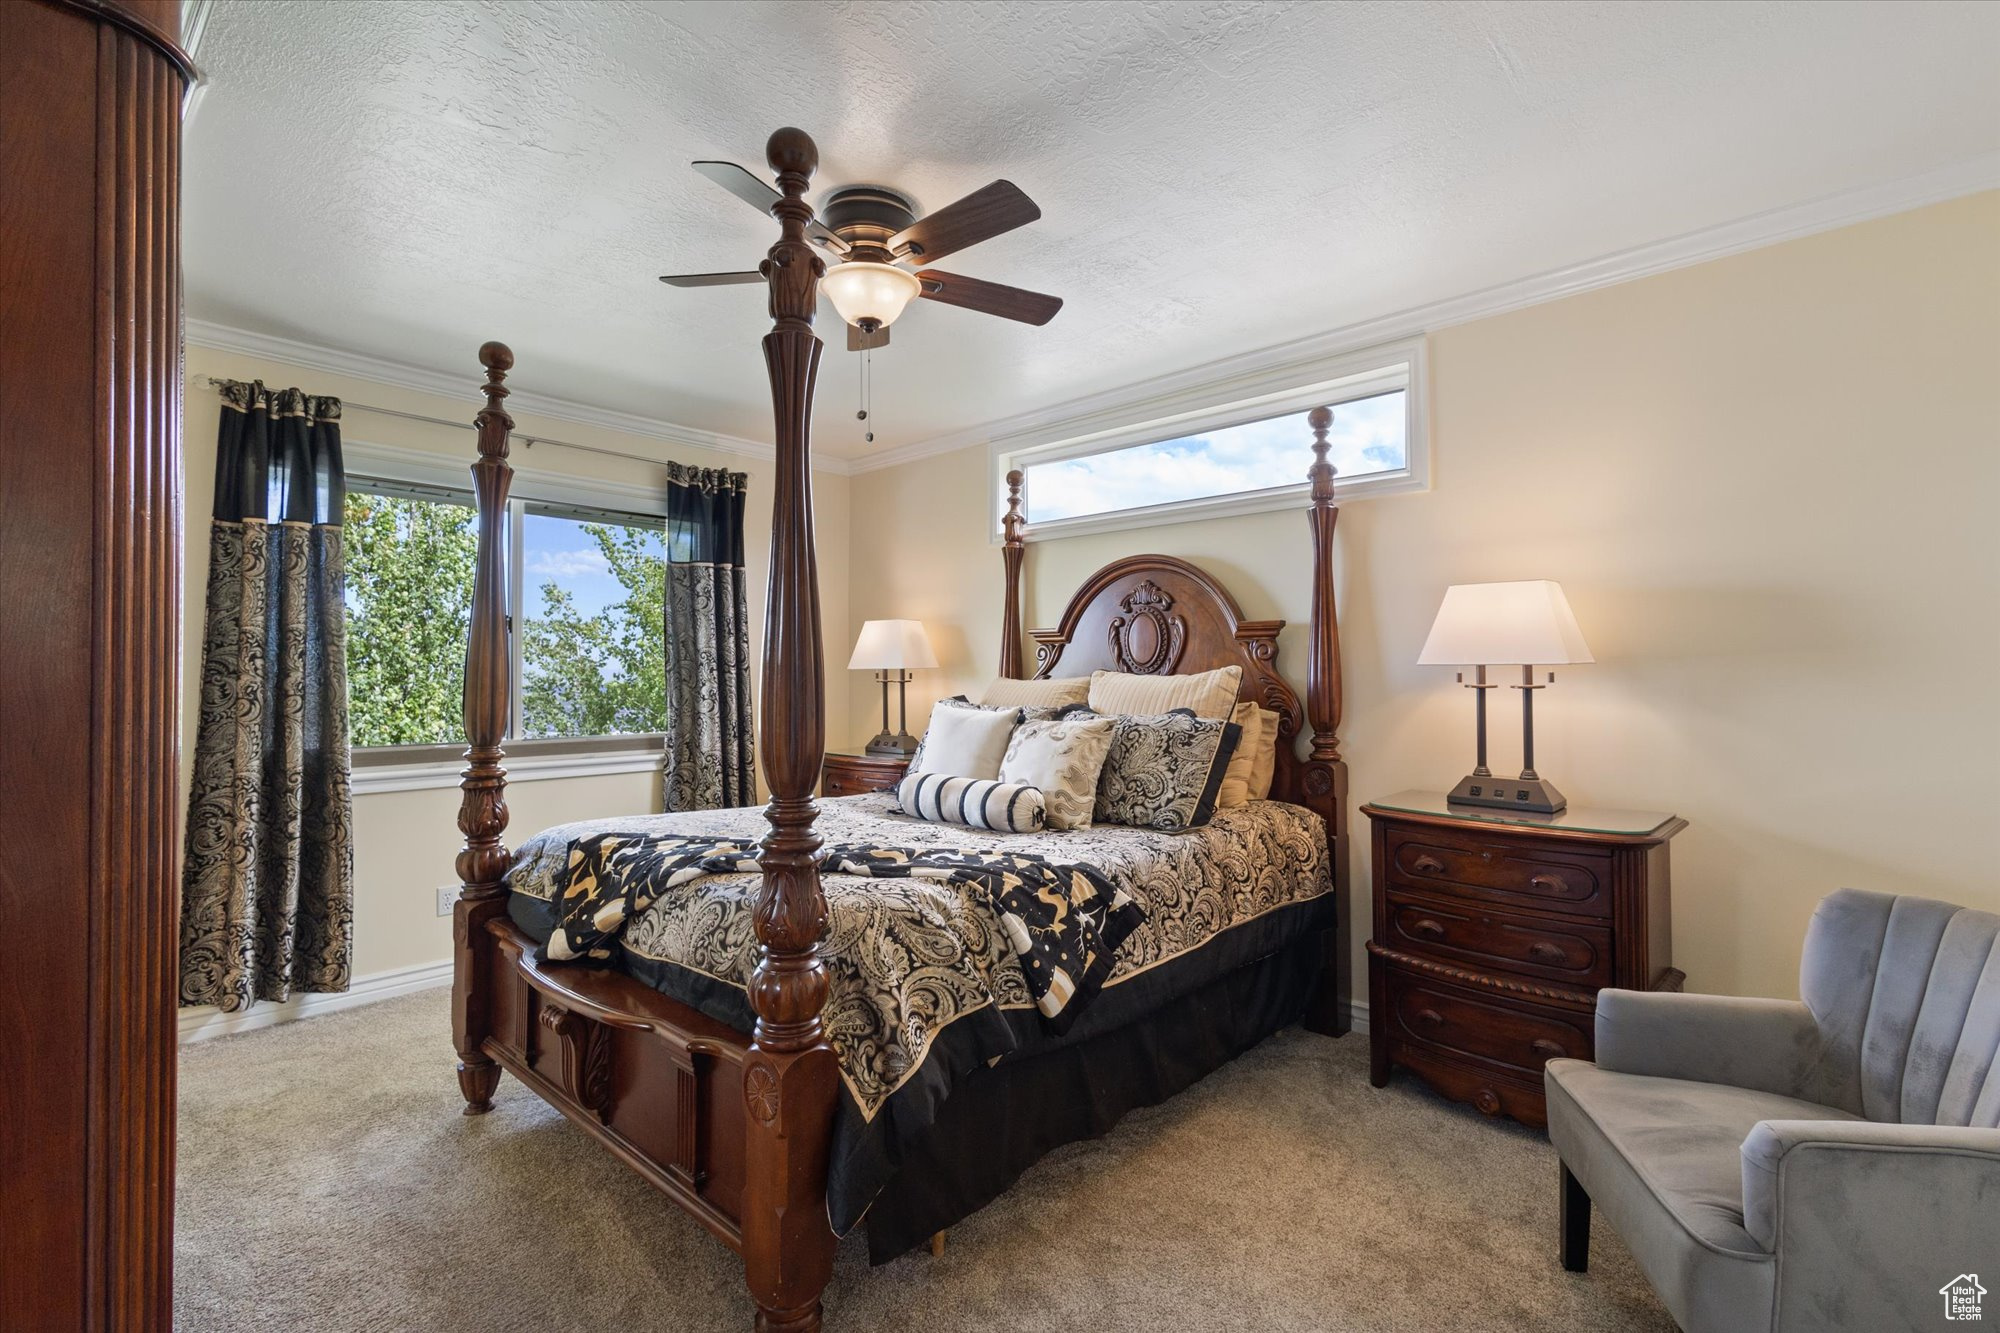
{"points": [[926, 983]]}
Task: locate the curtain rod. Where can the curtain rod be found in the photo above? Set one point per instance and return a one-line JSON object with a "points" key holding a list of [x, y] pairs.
{"points": [[527, 441]]}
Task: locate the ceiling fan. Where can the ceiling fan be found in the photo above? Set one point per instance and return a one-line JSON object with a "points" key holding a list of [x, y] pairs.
{"points": [[871, 232]]}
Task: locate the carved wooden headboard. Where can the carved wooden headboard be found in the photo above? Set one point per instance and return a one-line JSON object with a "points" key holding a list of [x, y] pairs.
{"points": [[1154, 615], [1157, 615]]}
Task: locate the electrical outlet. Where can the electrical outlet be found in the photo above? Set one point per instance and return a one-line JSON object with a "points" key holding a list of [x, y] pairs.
{"points": [[447, 896]]}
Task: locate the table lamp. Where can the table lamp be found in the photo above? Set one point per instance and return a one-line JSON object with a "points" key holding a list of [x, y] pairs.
{"points": [[1526, 624], [891, 648]]}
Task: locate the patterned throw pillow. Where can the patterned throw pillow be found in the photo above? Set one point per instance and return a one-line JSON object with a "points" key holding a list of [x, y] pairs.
{"points": [[1165, 772], [999, 806], [1063, 758], [1209, 693], [965, 742], [1054, 693]]}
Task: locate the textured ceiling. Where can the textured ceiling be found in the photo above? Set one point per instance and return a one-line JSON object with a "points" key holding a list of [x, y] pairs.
{"points": [[408, 179]]}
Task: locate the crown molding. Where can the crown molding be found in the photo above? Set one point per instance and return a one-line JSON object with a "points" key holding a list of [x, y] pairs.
{"points": [[1695, 247], [464, 388]]}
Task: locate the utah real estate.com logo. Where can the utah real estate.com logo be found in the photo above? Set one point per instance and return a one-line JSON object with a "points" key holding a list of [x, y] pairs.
{"points": [[1961, 1297]]}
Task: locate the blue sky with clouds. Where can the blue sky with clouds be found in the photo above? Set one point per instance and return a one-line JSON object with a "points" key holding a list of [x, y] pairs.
{"points": [[1367, 436], [558, 550]]}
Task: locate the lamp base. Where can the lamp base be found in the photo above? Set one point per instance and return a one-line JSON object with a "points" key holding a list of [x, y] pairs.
{"points": [[900, 746], [1533, 795]]}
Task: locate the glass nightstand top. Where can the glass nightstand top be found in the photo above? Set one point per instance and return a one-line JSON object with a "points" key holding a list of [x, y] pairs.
{"points": [[1578, 818]]}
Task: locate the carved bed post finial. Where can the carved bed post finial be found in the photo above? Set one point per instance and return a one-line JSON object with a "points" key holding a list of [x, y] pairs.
{"points": [[790, 1078], [482, 809], [1323, 647], [1012, 548]]}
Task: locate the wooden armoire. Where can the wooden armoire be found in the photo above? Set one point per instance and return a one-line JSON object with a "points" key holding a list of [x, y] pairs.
{"points": [[90, 615]]}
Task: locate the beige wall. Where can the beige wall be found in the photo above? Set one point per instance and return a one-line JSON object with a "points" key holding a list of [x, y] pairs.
{"points": [[405, 841], [1770, 485]]}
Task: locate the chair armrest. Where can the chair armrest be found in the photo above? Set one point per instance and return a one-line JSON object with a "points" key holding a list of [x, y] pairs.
{"points": [[1767, 1045], [1868, 1219]]}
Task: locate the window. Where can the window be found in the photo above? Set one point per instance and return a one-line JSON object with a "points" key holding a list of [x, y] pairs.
{"points": [[593, 653], [590, 654], [1243, 455]]}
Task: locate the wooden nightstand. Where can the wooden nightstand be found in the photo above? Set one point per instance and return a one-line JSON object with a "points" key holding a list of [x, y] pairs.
{"points": [[852, 774], [1494, 931]]}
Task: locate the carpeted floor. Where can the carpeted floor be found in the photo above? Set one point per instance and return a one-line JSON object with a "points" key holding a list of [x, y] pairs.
{"points": [[328, 1184]]}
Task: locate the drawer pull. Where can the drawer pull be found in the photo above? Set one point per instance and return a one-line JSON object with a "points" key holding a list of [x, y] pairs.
{"points": [[1428, 865], [1549, 883], [1431, 1017], [1547, 1049], [1548, 953], [1427, 928]]}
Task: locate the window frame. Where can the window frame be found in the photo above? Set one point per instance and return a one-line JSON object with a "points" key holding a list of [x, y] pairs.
{"points": [[421, 474], [1329, 381]]}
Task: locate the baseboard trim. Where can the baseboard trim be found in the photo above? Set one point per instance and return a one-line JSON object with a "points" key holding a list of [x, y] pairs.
{"points": [[1357, 1020], [203, 1022]]}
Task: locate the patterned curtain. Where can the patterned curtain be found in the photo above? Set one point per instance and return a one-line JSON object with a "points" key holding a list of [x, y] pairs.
{"points": [[267, 892], [711, 742]]}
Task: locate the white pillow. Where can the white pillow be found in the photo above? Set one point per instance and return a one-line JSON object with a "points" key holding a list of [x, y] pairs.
{"points": [[1063, 758], [1211, 694], [966, 742], [1056, 693]]}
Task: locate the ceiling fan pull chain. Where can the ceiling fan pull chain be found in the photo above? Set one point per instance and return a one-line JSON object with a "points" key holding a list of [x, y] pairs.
{"points": [[867, 393]]}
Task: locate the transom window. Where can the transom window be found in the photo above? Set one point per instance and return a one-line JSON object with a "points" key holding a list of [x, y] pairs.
{"points": [[589, 604], [1243, 455]]}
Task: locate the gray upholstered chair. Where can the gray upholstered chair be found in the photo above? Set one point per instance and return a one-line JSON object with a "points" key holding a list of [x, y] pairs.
{"points": [[1825, 1165]]}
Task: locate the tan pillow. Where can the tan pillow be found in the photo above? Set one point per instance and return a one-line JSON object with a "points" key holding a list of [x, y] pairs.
{"points": [[1057, 693], [1243, 764], [1266, 766], [1211, 694]]}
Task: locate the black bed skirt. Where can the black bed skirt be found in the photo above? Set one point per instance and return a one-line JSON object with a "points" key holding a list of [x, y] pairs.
{"points": [[985, 1136]]}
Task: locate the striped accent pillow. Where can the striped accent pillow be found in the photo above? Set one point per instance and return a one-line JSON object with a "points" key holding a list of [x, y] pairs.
{"points": [[1211, 694], [1002, 807]]}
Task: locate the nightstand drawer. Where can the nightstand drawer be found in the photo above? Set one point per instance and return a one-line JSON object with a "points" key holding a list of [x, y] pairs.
{"points": [[854, 774], [1510, 871], [1564, 951], [1481, 1027]]}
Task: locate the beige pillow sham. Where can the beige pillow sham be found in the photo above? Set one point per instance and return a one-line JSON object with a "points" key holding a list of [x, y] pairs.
{"points": [[1211, 694], [1266, 766], [1236, 780], [1059, 692]]}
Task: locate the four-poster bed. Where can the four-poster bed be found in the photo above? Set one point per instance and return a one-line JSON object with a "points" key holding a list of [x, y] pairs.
{"points": [[738, 1129]]}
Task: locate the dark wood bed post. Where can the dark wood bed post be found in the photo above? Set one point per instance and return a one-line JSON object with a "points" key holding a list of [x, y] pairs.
{"points": [[1012, 547], [482, 809], [1324, 775], [790, 1078]]}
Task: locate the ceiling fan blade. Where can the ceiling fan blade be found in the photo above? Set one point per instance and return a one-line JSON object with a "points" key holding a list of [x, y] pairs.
{"points": [[857, 341], [756, 192], [710, 279], [990, 298], [979, 216]]}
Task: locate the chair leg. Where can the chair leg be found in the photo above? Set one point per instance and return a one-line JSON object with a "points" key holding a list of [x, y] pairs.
{"points": [[1574, 1214]]}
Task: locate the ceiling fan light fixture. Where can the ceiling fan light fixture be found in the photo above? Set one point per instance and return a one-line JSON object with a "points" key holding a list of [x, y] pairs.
{"points": [[865, 293]]}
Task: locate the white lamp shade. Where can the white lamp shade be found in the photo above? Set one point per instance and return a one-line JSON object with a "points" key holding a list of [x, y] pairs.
{"points": [[1505, 624], [891, 645], [863, 291]]}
